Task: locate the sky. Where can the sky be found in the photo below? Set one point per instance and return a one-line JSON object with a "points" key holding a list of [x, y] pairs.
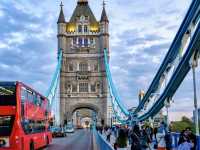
{"points": [[140, 35]]}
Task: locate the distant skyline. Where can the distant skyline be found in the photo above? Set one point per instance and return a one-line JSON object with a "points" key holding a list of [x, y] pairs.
{"points": [[140, 35]]}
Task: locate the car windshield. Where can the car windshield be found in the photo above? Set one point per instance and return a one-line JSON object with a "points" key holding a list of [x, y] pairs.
{"points": [[7, 94], [6, 124]]}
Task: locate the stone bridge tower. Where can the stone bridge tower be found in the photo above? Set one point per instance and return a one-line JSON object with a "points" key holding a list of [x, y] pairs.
{"points": [[83, 79]]}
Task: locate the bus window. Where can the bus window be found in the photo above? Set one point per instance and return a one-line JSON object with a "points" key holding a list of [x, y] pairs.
{"points": [[23, 95], [6, 124], [30, 97], [7, 95], [35, 99], [38, 100]]}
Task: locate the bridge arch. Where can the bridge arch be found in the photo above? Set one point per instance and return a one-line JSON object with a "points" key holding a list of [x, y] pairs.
{"points": [[84, 105]]}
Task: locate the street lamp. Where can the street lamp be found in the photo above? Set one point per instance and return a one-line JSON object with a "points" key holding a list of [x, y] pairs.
{"points": [[194, 64]]}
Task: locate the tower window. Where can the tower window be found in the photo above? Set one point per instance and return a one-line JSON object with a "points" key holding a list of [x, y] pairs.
{"points": [[79, 41], [80, 28], [85, 42], [83, 87], [83, 67], [92, 40], [68, 86], [85, 28]]}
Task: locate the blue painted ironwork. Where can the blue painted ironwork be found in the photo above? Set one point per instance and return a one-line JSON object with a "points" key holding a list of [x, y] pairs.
{"points": [[173, 51], [101, 142], [55, 80], [118, 117], [177, 77], [112, 86]]}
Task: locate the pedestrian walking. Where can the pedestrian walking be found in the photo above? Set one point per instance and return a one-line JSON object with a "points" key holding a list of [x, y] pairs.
{"points": [[144, 140], [161, 137], [168, 141], [135, 138], [108, 134]]}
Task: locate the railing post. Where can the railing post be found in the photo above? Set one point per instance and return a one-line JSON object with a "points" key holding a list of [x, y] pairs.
{"points": [[198, 143]]}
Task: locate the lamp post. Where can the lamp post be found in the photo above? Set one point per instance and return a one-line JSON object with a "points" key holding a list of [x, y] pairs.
{"points": [[167, 105], [194, 64]]}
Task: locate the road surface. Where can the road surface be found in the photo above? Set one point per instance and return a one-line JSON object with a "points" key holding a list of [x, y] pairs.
{"points": [[80, 140]]}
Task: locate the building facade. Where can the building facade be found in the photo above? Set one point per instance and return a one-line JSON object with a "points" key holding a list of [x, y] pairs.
{"points": [[83, 81]]}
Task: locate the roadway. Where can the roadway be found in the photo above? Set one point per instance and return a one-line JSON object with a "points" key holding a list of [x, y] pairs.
{"points": [[80, 140]]}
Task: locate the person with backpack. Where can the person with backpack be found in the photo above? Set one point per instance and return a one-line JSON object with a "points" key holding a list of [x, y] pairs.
{"points": [[154, 138], [144, 140], [135, 138]]}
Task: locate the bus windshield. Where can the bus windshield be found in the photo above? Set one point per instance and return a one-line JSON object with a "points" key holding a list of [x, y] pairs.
{"points": [[7, 94], [6, 124]]}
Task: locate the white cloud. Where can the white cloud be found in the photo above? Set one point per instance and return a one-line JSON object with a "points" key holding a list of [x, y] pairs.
{"points": [[3, 45], [1, 13], [16, 38]]}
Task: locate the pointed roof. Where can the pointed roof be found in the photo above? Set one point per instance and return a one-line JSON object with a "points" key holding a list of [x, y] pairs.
{"points": [[83, 8], [103, 14], [82, 1], [61, 18]]}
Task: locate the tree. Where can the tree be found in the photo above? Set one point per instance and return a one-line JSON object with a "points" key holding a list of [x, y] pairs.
{"points": [[178, 126]]}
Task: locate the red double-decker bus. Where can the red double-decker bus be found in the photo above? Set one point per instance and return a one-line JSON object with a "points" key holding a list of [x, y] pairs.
{"points": [[24, 118]]}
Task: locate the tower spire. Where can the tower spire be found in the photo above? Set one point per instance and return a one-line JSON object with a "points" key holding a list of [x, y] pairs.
{"points": [[82, 1], [61, 18], [103, 14]]}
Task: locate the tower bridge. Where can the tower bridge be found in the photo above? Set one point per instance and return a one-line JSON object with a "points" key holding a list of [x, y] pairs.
{"points": [[86, 80], [82, 90]]}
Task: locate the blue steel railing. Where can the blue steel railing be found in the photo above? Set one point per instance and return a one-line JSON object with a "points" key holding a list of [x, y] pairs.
{"points": [[198, 143], [178, 76], [172, 53], [102, 144], [112, 86], [51, 92], [175, 139]]}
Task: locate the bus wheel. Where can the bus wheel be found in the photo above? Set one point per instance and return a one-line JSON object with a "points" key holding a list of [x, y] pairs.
{"points": [[32, 146], [47, 140]]}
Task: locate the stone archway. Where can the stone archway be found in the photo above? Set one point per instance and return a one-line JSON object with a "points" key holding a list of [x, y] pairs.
{"points": [[85, 106]]}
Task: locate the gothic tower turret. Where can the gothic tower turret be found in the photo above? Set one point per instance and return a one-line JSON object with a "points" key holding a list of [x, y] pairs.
{"points": [[104, 31], [61, 28]]}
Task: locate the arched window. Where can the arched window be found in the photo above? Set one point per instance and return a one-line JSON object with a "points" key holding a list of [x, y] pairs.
{"points": [[85, 28], [85, 42], [83, 66], [92, 41], [79, 41], [80, 28]]}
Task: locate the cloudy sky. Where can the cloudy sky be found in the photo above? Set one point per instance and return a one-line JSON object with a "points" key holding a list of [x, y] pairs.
{"points": [[140, 35]]}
